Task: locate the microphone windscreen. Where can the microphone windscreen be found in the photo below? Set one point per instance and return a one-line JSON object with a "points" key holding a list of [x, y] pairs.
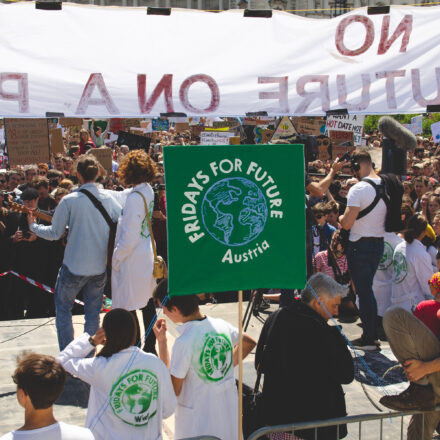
{"points": [[395, 131]]}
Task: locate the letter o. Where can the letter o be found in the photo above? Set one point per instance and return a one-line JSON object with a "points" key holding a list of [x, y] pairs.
{"points": [[229, 163], [213, 87], [340, 32]]}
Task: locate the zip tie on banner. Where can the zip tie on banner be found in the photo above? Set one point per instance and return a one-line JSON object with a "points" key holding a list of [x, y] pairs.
{"points": [[367, 368], [41, 286], [104, 407]]}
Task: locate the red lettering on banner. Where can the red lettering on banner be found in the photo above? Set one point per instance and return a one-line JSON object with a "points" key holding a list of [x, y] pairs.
{"points": [[281, 95], [342, 93], [417, 89], [323, 94], [340, 32], [96, 80], [389, 85], [164, 86], [405, 28], [213, 87], [22, 95]]}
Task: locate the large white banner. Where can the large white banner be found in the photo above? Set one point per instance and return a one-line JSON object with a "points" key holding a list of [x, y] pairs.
{"points": [[109, 61]]}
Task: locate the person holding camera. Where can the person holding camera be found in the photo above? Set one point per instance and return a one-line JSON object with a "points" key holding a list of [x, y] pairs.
{"points": [[366, 244], [132, 275]]}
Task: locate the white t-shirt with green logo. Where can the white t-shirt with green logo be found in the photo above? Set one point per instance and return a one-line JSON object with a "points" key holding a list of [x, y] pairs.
{"points": [[57, 431], [130, 392], [208, 402]]}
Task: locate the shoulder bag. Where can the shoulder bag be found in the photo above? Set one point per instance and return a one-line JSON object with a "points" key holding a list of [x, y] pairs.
{"points": [[160, 268]]}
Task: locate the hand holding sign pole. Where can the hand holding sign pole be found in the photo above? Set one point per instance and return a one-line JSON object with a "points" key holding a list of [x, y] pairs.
{"points": [[231, 213]]}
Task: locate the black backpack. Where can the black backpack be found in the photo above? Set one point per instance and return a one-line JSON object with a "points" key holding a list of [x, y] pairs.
{"points": [[390, 190]]}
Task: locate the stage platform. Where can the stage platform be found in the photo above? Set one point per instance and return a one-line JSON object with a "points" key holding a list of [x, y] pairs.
{"points": [[72, 405]]}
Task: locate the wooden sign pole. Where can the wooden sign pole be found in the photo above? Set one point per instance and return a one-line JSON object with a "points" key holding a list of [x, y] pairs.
{"points": [[240, 365]]}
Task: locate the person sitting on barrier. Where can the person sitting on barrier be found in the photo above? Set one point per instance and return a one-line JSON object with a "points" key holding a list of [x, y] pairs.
{"points": [[418, 350], [40, 381], [201, 366], [130, 390], [304, 361]]}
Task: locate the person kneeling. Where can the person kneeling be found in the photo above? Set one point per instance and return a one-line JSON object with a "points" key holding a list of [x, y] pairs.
{"points": [[201, 367], [304, 361]]}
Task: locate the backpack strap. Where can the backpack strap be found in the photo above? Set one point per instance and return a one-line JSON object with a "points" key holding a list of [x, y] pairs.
{"points": [[379, 195]]}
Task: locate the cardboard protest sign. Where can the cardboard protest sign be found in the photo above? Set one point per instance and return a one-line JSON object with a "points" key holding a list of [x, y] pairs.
{"points": [[27, 140], [349, 123], [180, 127], [313, 126], [230, 216], [267, 136], [56, 141], [285, 130], [417, 124], [435, 130], [234, 140], [215, 137], [196, 130], [324, 147], [342, 142], [133, 141], [104, 156], [161, 124], [228, 123], [71, 122], [132, 122]]}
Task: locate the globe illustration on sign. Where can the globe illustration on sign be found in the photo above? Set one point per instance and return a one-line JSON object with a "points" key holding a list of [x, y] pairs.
{"points": [[137, 398], [234, 211]]}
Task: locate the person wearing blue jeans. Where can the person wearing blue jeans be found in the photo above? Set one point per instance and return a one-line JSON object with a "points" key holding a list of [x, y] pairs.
{"points": [[85, 258], [66, 289], [363, 258], [364, 217]]}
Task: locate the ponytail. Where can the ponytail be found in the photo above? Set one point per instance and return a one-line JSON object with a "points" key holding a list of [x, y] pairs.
{"points": [[416, 226]]}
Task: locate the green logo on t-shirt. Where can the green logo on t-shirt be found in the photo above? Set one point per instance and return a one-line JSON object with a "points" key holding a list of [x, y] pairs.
{"points": [[400, 268], [216, 357], [134, 397], [387, 257]]}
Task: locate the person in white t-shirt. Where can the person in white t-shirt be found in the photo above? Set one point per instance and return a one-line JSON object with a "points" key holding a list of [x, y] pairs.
{"points": [[412, 267], [130, 390], [366, 245], [202, 367], [40, 381]]}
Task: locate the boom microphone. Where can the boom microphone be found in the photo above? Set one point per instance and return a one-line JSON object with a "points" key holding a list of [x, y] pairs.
{"points": [[395, 131]]}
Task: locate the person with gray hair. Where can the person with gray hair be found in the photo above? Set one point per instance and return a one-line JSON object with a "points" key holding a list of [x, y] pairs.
{"points": [[305, 361]]}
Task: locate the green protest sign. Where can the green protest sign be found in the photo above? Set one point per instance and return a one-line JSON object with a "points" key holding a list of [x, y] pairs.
{"points": [[235, 217]]}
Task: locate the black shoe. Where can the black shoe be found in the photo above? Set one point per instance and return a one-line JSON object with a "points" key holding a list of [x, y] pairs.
{"points": [[364, 344], [415, 397]]}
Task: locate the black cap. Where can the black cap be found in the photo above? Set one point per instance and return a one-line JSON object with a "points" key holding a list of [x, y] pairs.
{"points": [[29, 194]]}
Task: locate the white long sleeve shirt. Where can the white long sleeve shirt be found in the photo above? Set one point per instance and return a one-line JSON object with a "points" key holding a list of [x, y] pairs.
{"points": [[412, 269], [130, 392]]}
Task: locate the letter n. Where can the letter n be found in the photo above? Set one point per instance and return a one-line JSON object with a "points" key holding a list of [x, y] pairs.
{"points": [[405, 28], [164, 86]]}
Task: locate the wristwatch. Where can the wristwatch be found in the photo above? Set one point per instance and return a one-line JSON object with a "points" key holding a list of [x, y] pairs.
{"points": [[91, 341]]}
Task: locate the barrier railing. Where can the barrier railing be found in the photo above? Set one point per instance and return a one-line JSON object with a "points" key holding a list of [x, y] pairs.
{"points": [[292, 428]]}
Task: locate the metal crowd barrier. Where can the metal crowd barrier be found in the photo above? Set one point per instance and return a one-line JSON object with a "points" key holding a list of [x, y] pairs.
{"points": [[291, 428]]}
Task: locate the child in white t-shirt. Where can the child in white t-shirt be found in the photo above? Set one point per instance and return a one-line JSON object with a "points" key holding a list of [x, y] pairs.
{"points": [[40, 381], [202, 367]]}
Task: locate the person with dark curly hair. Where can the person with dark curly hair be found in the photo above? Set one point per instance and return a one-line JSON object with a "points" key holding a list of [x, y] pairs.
{"points": [[132, 275]]}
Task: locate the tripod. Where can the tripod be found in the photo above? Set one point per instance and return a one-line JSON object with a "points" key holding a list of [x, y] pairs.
{"points": [[253, 308]]}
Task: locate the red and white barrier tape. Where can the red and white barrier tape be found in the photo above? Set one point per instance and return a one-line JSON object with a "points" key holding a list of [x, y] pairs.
{"points": [[35, 283]]}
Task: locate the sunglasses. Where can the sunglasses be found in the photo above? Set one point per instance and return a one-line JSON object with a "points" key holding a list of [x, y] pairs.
{"points": [[324, 142], [318, 216]]}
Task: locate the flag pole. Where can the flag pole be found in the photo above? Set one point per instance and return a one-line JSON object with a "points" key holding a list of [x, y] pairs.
{"points": [[240, 365]]}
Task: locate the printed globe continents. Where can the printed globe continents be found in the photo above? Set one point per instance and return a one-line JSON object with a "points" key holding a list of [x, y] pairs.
{"points": [[137, 398], [234, 211]]}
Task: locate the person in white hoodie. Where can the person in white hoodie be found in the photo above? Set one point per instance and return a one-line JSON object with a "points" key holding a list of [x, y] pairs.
{"points": [[130, 390], [412, 267]]}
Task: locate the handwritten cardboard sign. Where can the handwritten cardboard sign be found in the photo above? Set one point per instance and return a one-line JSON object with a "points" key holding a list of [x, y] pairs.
{"points": [[215, 137], [104, 156], [353, 123], [341, 137], [71, 122], [180, 127], [56, 141], [27, 140], [132, 122], [309, 125]]}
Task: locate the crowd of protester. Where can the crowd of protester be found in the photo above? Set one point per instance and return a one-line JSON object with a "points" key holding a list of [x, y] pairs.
{"points": [[69, 253]]}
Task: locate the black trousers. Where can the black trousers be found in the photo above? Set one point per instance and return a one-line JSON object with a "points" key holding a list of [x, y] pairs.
{"points": [[148, 314]]}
